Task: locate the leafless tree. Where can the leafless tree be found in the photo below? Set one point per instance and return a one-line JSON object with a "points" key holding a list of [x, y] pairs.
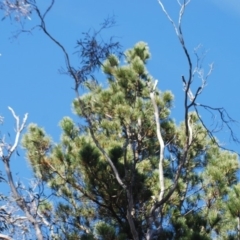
{"points": [[20, 212]]}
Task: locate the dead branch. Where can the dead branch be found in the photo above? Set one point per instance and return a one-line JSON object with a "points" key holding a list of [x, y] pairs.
{"points": [[5, 237], [6, 160], [19, 129], [161, 143], [190, 100], [19, 9]]}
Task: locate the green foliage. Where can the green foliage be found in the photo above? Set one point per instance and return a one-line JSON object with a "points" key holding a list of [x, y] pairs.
{"points": [[104, 231], [120, 119]]}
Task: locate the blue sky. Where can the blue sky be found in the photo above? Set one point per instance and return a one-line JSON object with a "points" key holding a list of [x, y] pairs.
{"points": [[30, 80]]}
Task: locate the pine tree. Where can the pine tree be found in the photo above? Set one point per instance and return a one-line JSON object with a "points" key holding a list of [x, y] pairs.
{"points": [[107, 173]]}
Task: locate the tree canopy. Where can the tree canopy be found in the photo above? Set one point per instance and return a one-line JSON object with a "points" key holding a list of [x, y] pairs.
{"points": [[123, 169], [106, 168]]}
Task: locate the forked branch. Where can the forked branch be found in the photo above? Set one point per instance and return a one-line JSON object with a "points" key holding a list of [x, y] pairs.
{"points": [[6, 160]]}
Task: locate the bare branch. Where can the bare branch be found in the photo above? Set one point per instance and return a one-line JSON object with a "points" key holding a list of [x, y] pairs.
{"points": [[49, 8], [19, 129], [179, 34], [43, 27], [18, 8], [161, 142], [6, 160], [168, 16], [5, 237]]}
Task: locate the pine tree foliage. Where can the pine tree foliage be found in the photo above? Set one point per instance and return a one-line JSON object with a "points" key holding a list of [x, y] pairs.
{"points": [[117, 126]]}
